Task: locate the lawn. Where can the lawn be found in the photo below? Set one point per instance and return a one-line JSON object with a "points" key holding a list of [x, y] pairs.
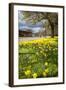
{"points": [[38, 58]]}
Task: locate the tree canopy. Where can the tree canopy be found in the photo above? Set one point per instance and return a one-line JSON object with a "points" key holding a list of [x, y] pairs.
{"points": [[34, 17]]}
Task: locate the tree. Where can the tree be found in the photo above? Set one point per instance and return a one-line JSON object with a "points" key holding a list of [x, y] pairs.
{"points": [[34, 17]]}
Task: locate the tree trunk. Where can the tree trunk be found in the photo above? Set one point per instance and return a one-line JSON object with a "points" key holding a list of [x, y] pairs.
{"points": [[52, 30]]}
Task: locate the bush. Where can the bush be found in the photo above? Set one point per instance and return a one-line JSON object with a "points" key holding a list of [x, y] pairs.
{"points": [[38, 58]]}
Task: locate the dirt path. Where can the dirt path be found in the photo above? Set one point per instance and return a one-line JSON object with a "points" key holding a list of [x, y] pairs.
{"points": [[29, 38]]}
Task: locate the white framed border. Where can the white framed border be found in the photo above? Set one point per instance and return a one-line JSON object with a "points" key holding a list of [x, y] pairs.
{"points": [[58, 79]]}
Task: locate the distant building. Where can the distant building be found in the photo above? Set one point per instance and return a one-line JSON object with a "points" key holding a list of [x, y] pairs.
{"points": [[25, 33]]}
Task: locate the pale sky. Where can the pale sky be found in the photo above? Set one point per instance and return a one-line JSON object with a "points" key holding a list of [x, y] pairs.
{"points": [[23, 25]]}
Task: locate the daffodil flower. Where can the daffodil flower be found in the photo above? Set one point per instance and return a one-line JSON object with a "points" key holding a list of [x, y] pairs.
{"points": [[34, 75]]}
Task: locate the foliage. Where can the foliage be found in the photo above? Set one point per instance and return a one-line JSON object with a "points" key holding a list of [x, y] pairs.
{"points": [[34, 17], [38, 58]]}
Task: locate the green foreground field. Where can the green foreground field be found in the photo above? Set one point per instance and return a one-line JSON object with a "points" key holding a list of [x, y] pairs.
{"points": [[38, 58]]}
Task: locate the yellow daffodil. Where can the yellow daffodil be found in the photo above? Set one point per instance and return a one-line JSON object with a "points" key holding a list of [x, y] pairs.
{"points": [[34, 75], [28, 72], [47, 70], [44, 74], [46, 63]]}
